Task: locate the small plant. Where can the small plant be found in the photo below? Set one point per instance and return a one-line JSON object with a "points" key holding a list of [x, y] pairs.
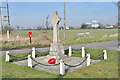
{"points": [[6, 42]]}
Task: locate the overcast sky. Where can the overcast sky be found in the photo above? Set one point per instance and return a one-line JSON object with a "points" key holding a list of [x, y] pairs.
{"points": [[32, 14]]}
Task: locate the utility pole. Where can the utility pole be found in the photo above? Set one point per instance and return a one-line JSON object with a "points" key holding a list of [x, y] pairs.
{"points": [[118, 4], [64, 19], [0, 18], [1, 26], [6, 18]]}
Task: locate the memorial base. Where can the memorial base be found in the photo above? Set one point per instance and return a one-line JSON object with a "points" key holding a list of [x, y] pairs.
{"points": [[56, 51]]}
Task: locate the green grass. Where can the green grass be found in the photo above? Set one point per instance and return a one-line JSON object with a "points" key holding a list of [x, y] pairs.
{"points": [[97, 35], [103, 69], [14, 44]]}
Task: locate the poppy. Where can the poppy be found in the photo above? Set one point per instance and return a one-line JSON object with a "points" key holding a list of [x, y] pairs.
{"points": [[52, 61]]}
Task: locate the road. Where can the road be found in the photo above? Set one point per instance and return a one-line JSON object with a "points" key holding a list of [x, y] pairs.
{"points": [[104, 45]]}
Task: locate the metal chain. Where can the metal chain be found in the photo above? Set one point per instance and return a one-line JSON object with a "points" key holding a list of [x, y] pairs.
{"points": [[37, 51], [75, 49], [75, 65], [100, 56], [44, 64], [18, 57], [40, 52]]}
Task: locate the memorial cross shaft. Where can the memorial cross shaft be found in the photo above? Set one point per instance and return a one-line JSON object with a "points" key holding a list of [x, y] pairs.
{"points": [[55, 21]]}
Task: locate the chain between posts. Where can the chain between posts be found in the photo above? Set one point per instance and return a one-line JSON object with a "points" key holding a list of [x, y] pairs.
{"points": [[59, 63], [100, 55], [44, 64], [75, 49], [37, 51], [72, 50], [22, 56], [19, 57], [77, 64]]}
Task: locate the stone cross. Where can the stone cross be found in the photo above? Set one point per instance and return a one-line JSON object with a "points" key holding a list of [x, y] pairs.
{"points": [[55, 21], [56, 48]]}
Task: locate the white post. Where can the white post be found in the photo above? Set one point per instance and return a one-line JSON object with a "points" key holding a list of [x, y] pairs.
{"points": [[62, 68], [105, 54], [70, 51], [8, 35], [33, 52], [17, 38], [29, 61], [7, 56], [88, 59], [83, 52]]}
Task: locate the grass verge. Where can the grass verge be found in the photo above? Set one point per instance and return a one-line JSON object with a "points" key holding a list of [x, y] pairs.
{"points": [[43, 40], [103, 69]]}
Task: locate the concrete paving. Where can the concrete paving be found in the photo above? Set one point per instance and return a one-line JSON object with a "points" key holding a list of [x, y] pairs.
{"points": [[105, 45], [70, 61]]}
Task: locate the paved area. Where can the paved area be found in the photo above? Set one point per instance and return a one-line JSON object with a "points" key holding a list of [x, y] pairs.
{"points": [[71, 64], [105, 45]]}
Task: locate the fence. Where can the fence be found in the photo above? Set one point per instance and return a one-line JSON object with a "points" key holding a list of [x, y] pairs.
{"points": [[103, 55], [84, 53], [15, 58], [31, 57]]}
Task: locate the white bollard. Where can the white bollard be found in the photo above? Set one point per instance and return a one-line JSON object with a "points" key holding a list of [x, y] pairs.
{"points": [[7, 57], [88, 59], [8, 35], [105, 54], [83, 52], [62, 68], [17, 38], [29, 61], [70, 51], [33, 52]]}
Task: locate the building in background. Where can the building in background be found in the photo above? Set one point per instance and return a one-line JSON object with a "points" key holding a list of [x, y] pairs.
{"points": [[108, 26], [95, 24], [76, 27], [91, 24]]}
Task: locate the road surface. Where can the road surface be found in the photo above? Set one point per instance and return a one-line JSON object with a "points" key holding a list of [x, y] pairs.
{"points": [[104, 45]]}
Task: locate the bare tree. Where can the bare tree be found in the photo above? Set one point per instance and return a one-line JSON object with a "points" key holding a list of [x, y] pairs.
{"points": [[47, 23], [18, 27]]}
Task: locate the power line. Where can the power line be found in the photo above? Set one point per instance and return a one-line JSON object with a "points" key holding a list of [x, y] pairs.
{"points": [[8, 13], [115, 3], [96, 14]]}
